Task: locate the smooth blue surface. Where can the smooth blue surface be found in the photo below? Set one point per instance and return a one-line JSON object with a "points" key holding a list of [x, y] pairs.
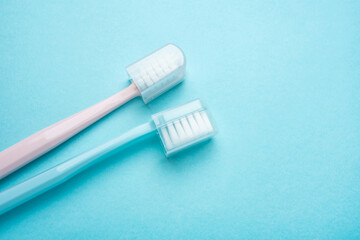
{"points": [[281, 79], [49, 179]]}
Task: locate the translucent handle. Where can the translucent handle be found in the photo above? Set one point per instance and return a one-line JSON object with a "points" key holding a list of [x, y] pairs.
{"points": [[39, 184]]}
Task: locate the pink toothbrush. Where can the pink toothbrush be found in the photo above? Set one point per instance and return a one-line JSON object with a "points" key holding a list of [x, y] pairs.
{"points": [[150, 76]]}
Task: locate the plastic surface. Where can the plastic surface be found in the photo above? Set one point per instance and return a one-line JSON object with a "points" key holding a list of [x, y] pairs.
{"points": [[39, 184], [158, 72], [184, 126], [43, 141]]}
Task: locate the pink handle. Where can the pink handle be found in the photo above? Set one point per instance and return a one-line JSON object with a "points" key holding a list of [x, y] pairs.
{"points": [[43, 141]]}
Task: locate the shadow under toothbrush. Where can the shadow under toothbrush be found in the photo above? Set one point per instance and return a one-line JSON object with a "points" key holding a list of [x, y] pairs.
{"points": [[189, 157], [169, 96]]}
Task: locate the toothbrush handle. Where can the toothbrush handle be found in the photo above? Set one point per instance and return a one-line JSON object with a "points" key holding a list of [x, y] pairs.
{"points": [[43, 141], [51, 178], [30, 188]]}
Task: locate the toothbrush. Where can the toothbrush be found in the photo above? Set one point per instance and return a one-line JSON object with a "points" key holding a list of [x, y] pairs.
{"points": [[178, 128], [150, 76]]}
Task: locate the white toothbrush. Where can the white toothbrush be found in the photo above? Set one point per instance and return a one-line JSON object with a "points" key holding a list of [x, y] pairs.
{"points": [[151, 76], [178, 128]]}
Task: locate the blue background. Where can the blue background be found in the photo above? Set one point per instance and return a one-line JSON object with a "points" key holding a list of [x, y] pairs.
{"points": [[280, 77]]}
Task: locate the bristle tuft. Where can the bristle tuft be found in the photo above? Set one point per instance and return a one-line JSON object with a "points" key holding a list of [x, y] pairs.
{"points": [[192, 126]]}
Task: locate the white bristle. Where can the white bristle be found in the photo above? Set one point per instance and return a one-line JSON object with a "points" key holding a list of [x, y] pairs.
{"points": [[174, 137], [187, 129], [184, 126], [158, 72], [207, 123], [155, 67], [179, 129], [166, 138]]}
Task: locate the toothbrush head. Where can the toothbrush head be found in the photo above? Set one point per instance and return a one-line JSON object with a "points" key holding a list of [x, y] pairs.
{"points": [[184, 126], [158, 72]]}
